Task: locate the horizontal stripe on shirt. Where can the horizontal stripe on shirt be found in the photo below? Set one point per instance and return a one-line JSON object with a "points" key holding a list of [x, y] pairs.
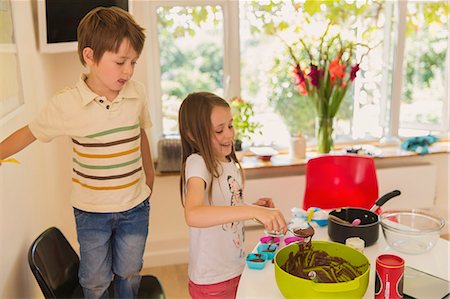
{"points": [[106, 166], [106, 187], [107, 156], [111, 177], [117, 142], [107, 132]]}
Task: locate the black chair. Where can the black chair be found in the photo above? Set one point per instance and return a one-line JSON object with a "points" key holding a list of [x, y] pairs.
{"points": [[55, 265]]}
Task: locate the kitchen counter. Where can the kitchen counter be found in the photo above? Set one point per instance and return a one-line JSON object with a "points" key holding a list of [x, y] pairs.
{"points": [[262, 283]]}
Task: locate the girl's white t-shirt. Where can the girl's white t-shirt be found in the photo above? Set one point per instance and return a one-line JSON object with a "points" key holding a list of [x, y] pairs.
{"points": [[216, 254]]}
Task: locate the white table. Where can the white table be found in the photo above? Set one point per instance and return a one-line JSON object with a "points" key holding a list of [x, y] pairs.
{"points": [[262, 284]]}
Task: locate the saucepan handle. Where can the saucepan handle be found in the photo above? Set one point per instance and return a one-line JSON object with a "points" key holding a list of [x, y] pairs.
{"points": [[383, 199]]}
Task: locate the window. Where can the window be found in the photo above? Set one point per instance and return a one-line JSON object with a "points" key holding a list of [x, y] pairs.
{"points": [[266, 69], [191, 56], [238, 48], [423, 103]]}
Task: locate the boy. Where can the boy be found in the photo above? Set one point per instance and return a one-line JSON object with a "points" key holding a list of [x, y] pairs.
{"points": [[105, 115]]}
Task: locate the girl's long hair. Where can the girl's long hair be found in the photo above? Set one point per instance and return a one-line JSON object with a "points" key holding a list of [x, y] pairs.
{"points": [[194, 121]]}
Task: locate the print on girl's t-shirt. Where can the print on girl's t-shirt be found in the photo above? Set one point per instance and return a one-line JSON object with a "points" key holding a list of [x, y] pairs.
{"points": [[235, 227]]}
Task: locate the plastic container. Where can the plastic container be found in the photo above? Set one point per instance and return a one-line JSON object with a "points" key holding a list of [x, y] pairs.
{"points": [[270, 240], [294, 239], [389, 276], [411, 231], [256, 261], [293, 287], [268, 249]]}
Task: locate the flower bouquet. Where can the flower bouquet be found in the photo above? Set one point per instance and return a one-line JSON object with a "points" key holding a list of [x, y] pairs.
{"points": [[324, 71]]}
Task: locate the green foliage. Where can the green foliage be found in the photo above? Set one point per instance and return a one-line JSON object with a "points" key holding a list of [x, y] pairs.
{"points": [[296, 110], [243, 112], [270, 18], [179, 72], [193, 17], [426, 52]]}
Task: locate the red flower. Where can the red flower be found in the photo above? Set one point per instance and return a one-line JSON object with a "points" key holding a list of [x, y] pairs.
{"points": [[298, 73], [237, 99], [354, 69], [336, 69], [302, 89]]}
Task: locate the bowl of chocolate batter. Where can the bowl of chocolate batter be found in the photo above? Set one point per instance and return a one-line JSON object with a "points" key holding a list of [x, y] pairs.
{"points": [[320, 269]]}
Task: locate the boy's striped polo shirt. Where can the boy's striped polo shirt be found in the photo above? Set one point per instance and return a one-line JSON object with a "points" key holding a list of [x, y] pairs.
{"points": [[107, 170]]}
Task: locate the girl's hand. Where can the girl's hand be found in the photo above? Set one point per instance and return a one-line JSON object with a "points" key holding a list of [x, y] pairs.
{"points": [[272, 219], [265, 202]]}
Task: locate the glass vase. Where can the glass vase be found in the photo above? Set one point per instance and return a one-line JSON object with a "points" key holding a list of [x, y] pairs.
{"points": [[324, 131]]}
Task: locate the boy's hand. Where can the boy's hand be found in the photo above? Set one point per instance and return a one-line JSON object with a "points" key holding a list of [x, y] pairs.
{"points": [[265, 202]]}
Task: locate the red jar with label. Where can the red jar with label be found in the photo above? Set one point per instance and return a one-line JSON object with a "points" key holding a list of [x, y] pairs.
{"points": [[389, 277]]}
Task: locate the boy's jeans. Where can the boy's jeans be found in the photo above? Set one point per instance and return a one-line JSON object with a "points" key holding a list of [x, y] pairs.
{"points": [[112, 243]]}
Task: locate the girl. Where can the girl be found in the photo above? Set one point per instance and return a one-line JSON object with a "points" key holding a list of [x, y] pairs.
{"points": [[211, 191]]}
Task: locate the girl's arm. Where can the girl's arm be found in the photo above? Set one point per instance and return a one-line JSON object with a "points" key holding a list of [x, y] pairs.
{"points": [[16, 142], [199, 215], [265, 202], [147, 160]]}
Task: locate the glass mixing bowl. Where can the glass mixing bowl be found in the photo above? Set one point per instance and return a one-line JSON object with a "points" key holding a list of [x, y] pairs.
{"points": [[411, 231]]}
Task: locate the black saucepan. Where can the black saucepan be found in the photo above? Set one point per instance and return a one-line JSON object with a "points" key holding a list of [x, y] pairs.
{"points": [[342, 224]]}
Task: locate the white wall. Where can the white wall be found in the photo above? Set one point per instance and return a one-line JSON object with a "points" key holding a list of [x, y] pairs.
{"points": [[34, 193]]}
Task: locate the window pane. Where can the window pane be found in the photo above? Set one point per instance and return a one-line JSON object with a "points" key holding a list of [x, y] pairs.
{"points": [[260, 76], [424, 85], [266, 66], [191, 52]]}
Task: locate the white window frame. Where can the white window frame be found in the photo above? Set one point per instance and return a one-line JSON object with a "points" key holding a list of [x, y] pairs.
{"points": [[232, 86], [396, 86], [231, 69]]}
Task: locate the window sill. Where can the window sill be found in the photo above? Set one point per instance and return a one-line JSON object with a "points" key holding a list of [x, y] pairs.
{"points": [[283, 164]]}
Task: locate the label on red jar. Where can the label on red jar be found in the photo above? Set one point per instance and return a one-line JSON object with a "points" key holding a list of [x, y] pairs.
{"points": [[389, 277]]}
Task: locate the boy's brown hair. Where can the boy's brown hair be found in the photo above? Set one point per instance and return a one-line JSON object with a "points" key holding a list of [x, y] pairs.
{"points": [[104, 28]]}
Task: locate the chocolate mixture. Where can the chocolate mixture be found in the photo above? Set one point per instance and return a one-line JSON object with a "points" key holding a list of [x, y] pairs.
{"points": [[258, 258], [270, 248], [304, 232], [317, 265]]}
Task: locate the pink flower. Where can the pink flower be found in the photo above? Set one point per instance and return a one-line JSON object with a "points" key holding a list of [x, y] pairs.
{"points": [[314, 75], [354, 69]]}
